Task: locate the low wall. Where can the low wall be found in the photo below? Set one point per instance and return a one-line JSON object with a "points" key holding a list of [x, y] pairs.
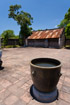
{"points": [[12, 41], [67, 42]]}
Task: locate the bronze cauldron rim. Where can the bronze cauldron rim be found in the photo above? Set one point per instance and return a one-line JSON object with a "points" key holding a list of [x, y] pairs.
{"points": [[46, 67]]}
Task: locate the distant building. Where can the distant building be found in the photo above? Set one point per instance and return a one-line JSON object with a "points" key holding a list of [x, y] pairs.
{"points": [[51, 38]]}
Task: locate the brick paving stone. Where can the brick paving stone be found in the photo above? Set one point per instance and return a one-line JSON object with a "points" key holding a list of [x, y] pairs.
{"points": [[59, 86], [21, 78], [10, 100], [3, 90], [17, 76], [18, 71], [28, 72], [10, 78], [30, 82], [1, 87], [16, 90], [5, 93], [15, 81], [27, 77], [19, 83], [19, 93], [66, 89], [26, 97], [67, 81], [13, 88], [62, 102], [25, 86], [28, 90], [1, 103], [34, 102], [60, 82], [62, 77], [65, 96], [63, 71], [21, 71], [68, 73], [19, 102], [5, 83]]}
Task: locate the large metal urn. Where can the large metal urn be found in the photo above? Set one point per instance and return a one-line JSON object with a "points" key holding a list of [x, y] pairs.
{"points": [[0, 59], [45, 73]]}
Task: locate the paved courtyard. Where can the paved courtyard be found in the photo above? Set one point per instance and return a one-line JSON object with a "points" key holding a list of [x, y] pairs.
{"points": [[15, 78]]}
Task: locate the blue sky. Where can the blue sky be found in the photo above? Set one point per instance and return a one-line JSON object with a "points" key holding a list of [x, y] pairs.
{"points": [[46, 14]]}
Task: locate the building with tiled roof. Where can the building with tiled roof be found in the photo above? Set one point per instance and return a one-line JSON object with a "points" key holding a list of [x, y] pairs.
{"points": [[53, 38]]}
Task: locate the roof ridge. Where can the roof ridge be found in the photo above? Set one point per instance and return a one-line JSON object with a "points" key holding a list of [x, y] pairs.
{"points": [[48, 29]]}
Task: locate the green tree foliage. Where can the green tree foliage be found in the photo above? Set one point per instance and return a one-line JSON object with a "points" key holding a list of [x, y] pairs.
{"points": [[39, 30], [16, 37], [66, 20], [25, 31], [67, 31], [9, 32], [63, 23], [7, 35], [66, 23], [23, 19], [67, 15]]}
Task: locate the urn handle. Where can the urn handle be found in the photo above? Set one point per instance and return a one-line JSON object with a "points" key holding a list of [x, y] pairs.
{"points": [[60, 74], [33, 73]]}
